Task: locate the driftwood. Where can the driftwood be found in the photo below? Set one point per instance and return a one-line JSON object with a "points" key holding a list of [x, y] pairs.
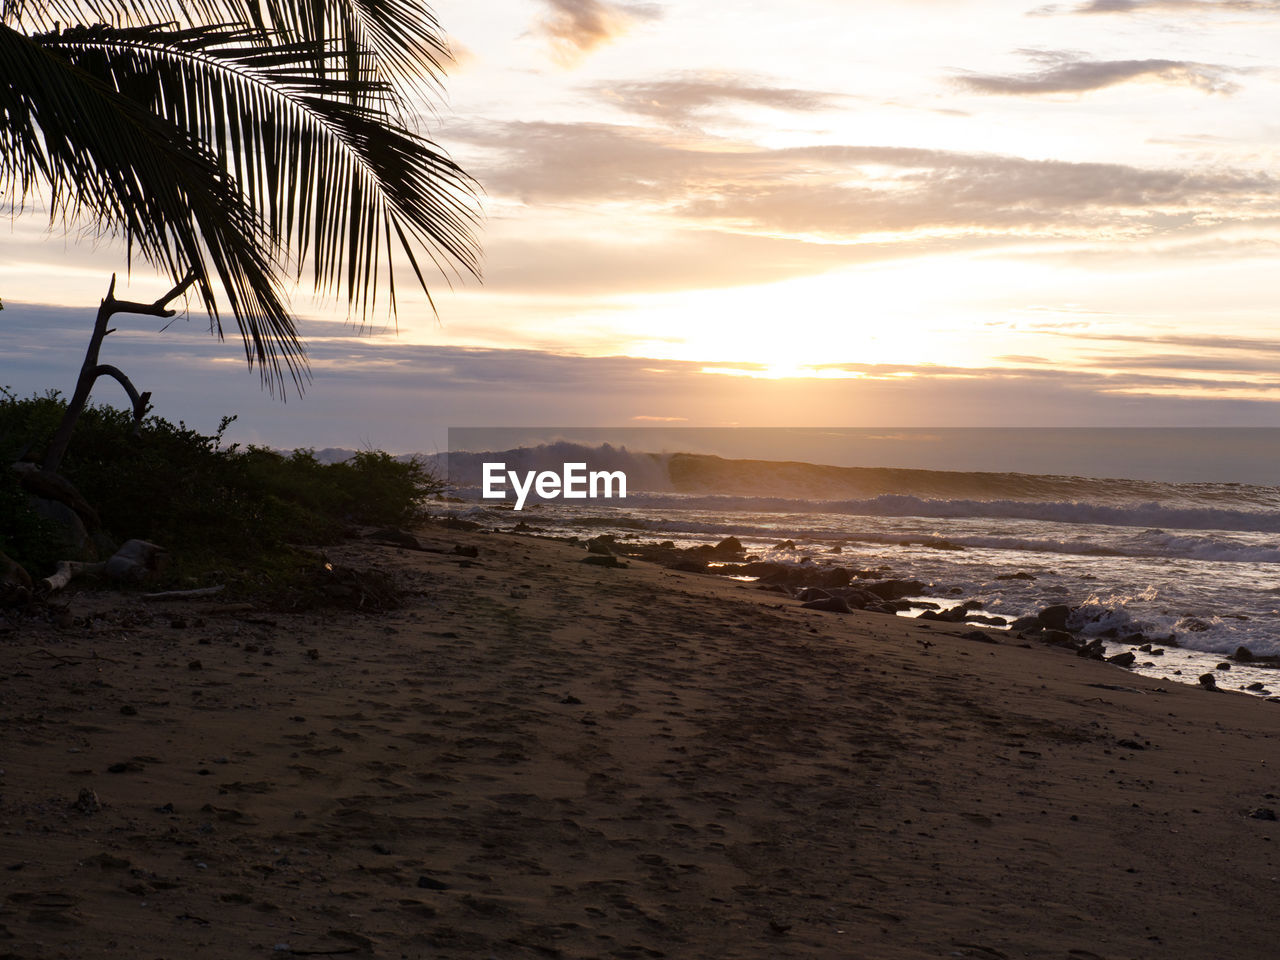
{"points": [[185, 594], [134, 562], [66, 572]]}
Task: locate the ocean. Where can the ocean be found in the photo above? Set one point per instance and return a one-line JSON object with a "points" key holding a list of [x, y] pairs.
{"points": [[1184, 550]]}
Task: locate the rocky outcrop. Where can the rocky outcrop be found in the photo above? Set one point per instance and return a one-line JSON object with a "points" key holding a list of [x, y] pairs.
{"points": [[15, 583], [601, 560], [961, 613], [1055, 617], [896, 589], [831, 604]]}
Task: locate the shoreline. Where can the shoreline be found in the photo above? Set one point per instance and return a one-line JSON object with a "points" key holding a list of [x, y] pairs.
{"points": [[1159, 657], [539, 757], [1182, 564]]}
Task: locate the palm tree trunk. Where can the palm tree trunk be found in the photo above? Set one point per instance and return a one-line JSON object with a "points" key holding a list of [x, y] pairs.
{"points": [[91, 370]]}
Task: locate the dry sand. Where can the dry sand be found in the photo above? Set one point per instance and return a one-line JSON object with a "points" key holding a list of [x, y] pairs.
{"points": [[541, 758]]}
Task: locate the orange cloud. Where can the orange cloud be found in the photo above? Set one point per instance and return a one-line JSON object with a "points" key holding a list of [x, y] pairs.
{"points": [[577, 27]]}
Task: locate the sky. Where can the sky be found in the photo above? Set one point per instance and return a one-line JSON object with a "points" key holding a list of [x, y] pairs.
{"points": [[817, 212]]}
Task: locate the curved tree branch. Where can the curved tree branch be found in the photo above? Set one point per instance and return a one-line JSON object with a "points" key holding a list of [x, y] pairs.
{"points": [[91, 370], [140, 401]]}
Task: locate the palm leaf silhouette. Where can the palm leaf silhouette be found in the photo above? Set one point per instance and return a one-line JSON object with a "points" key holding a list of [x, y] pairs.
{"points": [[257, 151]]}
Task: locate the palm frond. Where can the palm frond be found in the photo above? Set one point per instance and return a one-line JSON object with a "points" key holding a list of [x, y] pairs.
{"points": [[101, 157], [322, 172], [156, 132], [396, 41]]}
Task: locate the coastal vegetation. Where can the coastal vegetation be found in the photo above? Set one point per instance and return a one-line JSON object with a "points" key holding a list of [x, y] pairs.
{"points": [[227, 513]]}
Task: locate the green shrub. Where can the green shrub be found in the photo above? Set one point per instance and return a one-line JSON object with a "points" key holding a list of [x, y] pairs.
{"points": [[212, 506], [25, 536]]}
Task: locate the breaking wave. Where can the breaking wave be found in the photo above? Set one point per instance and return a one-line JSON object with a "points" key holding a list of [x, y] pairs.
{"points": [[705, 482]]}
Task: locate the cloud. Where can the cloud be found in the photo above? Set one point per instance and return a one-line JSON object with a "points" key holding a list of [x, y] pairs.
{"points": [[590, 161], [1198, 360], [964, 196], [461, 57], [1193, 342], [1116, 379], [1250, 344], [1238, 364], [1125, 6], [1174, 6], [858, 194], [1064, 73], [663, 260], [577, 27], [677, 101]]}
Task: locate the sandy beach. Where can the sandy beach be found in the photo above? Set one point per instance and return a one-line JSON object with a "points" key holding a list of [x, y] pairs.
{"points": [[537, 757]]}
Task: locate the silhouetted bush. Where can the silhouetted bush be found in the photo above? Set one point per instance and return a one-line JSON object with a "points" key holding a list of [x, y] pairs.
{"points": [[207, 503]]}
